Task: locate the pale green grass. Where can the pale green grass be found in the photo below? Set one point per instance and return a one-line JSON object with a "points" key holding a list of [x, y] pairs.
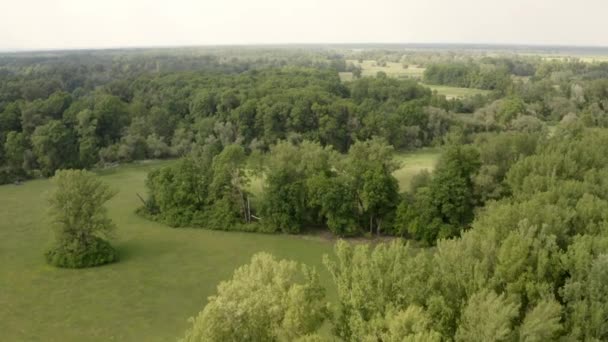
{"points": [[345, 76], [456, 92], [413, 163], [392, 69], [164, 275], [370, 68], [560, 57]]}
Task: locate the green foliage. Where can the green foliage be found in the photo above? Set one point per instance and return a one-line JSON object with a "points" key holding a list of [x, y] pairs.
{"points": [[487, 317], [374, 286], [542, 323], [336, 201], [445, 206], [54, 146], [73, 254], [498, 152], [266, 300], [80, 220], [206, 190], [482, 76], [286, 195]]}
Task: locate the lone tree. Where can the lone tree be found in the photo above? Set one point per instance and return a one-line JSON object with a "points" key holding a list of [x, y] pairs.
{"points": [[80, 220]]}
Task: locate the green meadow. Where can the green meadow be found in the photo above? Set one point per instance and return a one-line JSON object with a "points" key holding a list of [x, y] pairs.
{"points": [[413, 163], [163, 277], [392, 69], [456, 92], [370, 68]]}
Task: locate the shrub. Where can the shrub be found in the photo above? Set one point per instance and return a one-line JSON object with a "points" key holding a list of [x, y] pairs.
{"points": [[75, 255]]}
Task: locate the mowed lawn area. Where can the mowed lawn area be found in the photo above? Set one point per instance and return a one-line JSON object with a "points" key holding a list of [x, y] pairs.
{"points": [[164, 276]]}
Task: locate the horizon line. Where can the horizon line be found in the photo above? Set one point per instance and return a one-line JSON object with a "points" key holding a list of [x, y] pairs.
{"points": [[311, 44]]}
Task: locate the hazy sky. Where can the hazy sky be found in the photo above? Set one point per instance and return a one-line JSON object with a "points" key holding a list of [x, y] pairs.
{"points": [[45, 24]]}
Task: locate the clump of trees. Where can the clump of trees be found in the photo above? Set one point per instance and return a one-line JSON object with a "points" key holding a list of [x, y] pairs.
{"points": [[266, 300], [532, 266], [469, 75], [80, 221], [304, 185], [207, 189], [443, 204]]}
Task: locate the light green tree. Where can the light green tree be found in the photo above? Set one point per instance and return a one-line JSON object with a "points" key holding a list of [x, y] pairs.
{"points": [[487, 317], [542, 323], [80, 220], [266, 300]]}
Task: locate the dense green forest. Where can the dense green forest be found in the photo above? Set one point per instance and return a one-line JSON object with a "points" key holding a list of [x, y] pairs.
{"points": [[505, 239]]}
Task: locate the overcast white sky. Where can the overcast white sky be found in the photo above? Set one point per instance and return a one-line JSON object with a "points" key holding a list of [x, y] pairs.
{"points": [[47, 24]]}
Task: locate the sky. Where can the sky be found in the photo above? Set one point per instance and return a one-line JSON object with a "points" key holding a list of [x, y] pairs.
{"points": [[74, 24]]}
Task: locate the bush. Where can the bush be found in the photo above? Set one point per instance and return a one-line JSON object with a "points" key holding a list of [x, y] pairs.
{"points": [[75, 255], [80, 220]]}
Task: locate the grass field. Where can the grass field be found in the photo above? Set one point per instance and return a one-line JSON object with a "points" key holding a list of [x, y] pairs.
{"points": [[456, 92], [561, 57], [392, 69], [370, 68], [163, 277], [414, 162]]}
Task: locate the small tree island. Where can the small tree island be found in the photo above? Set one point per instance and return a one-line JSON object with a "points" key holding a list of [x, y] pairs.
{"points": [[80, 221]]}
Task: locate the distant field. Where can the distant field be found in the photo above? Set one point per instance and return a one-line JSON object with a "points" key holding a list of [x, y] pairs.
{"points": [[370, 68], [456, 92], [414, 162], [392, 69], [583, 58]]}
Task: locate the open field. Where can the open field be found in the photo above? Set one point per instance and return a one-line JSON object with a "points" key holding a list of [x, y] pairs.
{"points": [[164, 275], [456, 92], [370, 68], [392, 69], [414, 162], [561, 57]]}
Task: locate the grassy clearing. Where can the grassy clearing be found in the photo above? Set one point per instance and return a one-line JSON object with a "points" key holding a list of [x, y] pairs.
{"points": [[164, 275], [561, 57], [414, 162], [393, 69], [346, 76], [456, 92]]}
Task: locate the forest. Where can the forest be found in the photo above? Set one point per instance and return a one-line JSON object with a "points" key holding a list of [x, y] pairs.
{"points": [[504, 239]]}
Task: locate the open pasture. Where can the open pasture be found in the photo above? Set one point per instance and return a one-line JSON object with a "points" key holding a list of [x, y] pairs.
{"points": [[164, 275]]}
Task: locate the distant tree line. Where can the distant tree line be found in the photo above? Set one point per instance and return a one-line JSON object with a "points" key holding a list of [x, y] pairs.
{"points": [[167, 115]]}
